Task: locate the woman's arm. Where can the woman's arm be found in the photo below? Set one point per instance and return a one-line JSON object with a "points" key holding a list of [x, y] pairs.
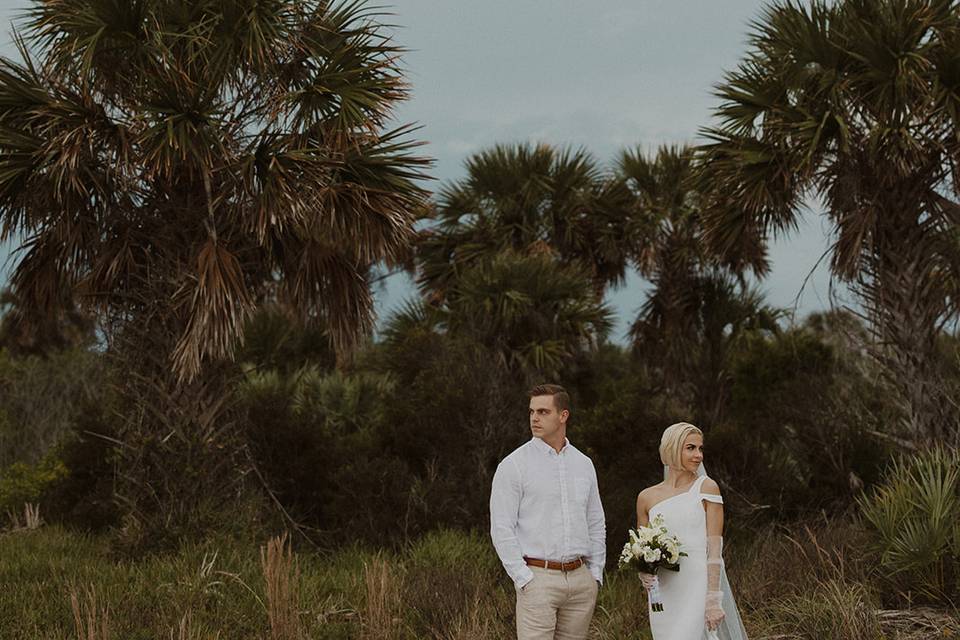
{"points": [[643, 519], [714, 509], [710, 493]]}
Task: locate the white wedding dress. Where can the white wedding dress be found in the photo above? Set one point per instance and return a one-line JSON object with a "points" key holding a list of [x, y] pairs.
{"points": [[684, 593]]}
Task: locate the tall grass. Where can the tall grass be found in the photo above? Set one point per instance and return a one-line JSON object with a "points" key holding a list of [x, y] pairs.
{"points": [[807, 582], [834, 609], [281, 574], [91, 618], [382, 611]]}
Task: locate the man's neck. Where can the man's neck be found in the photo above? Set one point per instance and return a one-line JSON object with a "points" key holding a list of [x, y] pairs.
{"points": [[557, 442]]}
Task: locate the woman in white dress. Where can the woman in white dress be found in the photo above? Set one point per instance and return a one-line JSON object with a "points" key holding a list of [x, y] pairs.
{"points": [[697, 603]]}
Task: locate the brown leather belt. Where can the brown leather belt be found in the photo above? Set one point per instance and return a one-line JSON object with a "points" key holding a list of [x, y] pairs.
{"points": [[551, 564]]}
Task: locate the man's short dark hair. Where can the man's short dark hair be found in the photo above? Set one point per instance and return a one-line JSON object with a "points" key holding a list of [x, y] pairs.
{"points": [[561, 399]]}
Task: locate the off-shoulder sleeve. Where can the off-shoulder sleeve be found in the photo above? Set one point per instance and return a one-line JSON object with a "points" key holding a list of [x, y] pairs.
{"points": [[711, 497]]}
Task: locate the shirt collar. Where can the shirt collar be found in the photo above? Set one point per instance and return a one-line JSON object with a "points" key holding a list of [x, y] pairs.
{"points": [[544, 447]]}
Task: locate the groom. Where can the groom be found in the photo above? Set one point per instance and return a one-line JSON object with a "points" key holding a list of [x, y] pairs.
{"points": [[547, 525]]}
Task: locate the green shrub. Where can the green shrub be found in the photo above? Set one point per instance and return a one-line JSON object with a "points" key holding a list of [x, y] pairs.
{"points": [[317, 440], [85, 497], [796, 434], [447, 572], [42, 397], [915, 514], [21, 483]]}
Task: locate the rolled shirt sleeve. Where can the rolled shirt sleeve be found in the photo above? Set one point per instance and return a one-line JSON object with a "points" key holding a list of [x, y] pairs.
{"points": [[505, 497], [597, 531]]}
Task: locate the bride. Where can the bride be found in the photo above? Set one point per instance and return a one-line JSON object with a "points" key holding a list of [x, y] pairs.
{"points": [[697, 602]]}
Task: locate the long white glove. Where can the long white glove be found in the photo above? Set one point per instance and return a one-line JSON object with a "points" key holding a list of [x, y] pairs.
{"points": [[713, 614]]}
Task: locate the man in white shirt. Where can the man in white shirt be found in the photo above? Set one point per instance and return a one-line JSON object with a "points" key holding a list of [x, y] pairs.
{"points": [[547, 525]]}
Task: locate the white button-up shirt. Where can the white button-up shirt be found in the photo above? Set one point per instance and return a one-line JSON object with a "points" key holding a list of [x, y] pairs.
{"points": [[546, 505]]}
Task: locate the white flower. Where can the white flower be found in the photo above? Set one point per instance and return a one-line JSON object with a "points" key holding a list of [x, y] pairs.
{"points": [[652, 555], [638, 549]]}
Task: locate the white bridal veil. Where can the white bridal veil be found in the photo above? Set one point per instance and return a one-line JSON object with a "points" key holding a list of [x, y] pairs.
{"points": [[732, 627]]}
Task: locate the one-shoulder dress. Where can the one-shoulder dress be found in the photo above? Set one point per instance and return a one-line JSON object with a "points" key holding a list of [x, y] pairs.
{"points": [[684, 593]]}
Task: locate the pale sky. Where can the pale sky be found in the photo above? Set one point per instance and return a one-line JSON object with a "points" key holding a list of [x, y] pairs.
{"points": [[603, 75]]}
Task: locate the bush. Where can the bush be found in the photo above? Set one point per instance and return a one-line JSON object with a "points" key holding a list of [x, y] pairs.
{"points": [[317, 440], [42, 397], [21, 483], [85, 498], [455, 414], [797, 435], [915, 515], [448, 575]]}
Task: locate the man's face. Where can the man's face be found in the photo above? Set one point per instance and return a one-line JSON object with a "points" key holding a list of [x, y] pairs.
{"points": [[545, 421]]}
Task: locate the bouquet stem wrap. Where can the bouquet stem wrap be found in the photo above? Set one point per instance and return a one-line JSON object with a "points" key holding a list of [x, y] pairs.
{"points": [[656, 600]]}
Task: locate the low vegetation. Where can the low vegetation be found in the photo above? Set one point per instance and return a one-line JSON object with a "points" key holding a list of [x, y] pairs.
{"points": [[446, 585]]}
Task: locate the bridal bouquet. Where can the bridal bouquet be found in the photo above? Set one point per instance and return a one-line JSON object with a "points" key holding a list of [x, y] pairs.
{"points": [[650, 549]]}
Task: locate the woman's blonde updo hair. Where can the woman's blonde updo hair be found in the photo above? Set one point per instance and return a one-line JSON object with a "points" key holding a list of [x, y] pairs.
{"points": [[671, 442]]}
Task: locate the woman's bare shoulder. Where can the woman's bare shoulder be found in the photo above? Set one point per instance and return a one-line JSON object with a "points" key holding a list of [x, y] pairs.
{"points": [[649, 494]]}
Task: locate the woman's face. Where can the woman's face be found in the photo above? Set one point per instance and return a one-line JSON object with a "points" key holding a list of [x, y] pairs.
{"points": [[691, 454]]}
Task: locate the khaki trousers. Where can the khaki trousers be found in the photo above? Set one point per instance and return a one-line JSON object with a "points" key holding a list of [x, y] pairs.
{"points": [[556, 605]]}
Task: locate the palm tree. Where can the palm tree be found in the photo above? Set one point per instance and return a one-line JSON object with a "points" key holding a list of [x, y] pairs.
{"points": [[857, 103], [170, 164], [699, 302], [532, 313], [527, 198]]}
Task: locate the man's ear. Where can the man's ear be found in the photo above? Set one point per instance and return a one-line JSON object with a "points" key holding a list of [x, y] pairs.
{"points": [[564, 415]]}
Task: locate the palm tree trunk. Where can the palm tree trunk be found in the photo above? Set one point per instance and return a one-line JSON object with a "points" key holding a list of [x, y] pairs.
{"points": [[181, 462], [906, 305]]}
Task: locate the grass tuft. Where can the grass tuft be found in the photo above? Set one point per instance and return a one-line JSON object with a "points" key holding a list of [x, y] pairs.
{"points": [[91, 620], [281, 574]]}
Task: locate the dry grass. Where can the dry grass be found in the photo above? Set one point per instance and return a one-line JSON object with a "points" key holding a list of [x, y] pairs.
{"points": [[281, 575], [185, 630], [918, 624], [834, 609], [479, 621], [780, 563], [381, 615], [91, 620]]}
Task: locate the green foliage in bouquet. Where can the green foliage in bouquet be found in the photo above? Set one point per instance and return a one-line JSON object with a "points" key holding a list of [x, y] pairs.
{"points": [[915, 513]]}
